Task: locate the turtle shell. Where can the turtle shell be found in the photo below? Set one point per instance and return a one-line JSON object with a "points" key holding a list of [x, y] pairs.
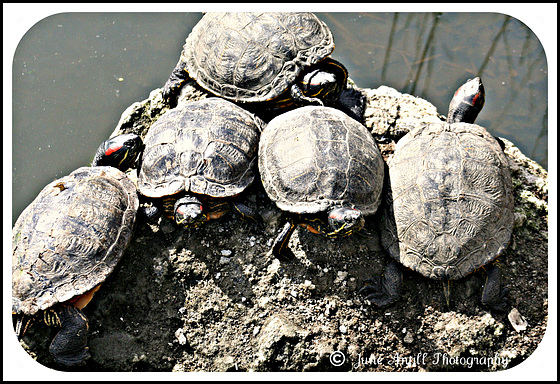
{"points": [[206, 147], [253, 57], [313, 158], [69, 239], [450, 205]]}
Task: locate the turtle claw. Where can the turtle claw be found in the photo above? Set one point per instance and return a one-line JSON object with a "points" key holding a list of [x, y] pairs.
{"points": [[381, 301], [499, 304], [72, 360], [384, 290], [148, 212], [377, 295]]}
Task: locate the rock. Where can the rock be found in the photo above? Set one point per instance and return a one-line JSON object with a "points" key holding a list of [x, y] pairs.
{"points": [[408, 338], [276, 332], [177, 302], [390, 113], [517, 321]]}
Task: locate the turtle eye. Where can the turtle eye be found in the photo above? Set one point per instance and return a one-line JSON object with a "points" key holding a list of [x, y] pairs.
{"points": [[132, 143], [351, 215]]}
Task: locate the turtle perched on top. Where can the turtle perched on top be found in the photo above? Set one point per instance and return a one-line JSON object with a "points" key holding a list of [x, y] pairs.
{"points": [[198, 157], [323, 169], [450, 205], [281, 58], [68, 240]]}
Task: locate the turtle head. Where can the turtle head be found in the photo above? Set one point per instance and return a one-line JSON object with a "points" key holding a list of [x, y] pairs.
{"points": [[325, 81], [344, 221], [121, 152], [467, 102], [320, 84], [189, 212]]}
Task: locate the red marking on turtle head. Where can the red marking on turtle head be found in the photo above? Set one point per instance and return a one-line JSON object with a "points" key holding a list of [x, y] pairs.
{"points": [[112, 149]]}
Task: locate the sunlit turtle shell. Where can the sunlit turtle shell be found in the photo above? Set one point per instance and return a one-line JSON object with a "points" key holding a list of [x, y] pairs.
{"points": [[69, 239], [315, 158], [206, 147]]}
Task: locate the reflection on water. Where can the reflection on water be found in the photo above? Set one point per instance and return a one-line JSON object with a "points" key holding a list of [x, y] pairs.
{"points": [[75, 73]]}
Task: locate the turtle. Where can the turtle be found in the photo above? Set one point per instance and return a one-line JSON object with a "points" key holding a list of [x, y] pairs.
{"points": [[66, 242], [281, 58], [197, 158], [323, 169], [449, 209]]}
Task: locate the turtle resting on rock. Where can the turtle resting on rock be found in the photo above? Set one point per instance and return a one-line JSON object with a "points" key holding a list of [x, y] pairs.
{"points": [[323, 169], [198, 158], [449, 209], [276, 59], [66, 243]]}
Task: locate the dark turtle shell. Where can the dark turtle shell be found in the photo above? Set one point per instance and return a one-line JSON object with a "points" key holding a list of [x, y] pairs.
{"points": [[69, 239], [253, 57], [206, 147], [314, 158], [450, 205]]}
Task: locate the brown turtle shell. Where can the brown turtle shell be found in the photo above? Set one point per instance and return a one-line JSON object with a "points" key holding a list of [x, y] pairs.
{"points": [[206, 147], [69, 239], [253, 57], [450, 202], [314, 158]]}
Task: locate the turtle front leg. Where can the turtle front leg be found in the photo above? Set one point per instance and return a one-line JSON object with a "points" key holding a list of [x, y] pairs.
{"points": [[175, 82], [69, 346], [384, 290], [301, 100], [280, 248], [494, 296]]}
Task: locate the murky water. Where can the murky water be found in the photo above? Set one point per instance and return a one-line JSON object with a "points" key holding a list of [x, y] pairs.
{"points": [[75, 73]]}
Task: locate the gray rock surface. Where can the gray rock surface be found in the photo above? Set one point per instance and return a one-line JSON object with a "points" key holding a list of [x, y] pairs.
{"points": [[178, 302]]}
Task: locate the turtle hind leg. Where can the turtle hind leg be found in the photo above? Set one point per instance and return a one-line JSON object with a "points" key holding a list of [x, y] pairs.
{"points": [[494, 296], [21, 323], [384, 290], [69, 346], [173, 85]]}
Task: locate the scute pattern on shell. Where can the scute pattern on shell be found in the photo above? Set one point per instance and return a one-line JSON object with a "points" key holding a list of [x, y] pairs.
{"points": [[313, 158], [254, 57], [206, 147], [69, 239], [450, 203]]}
